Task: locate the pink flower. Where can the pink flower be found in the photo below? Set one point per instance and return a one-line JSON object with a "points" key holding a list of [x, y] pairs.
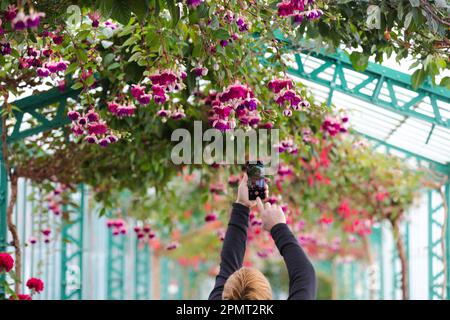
{"points": [[137, 90], [199, 72], [19, 22], [43, 72], [35, 285], [95, 17], [6, 262], [97, 128], [46, 232], [144, 99], [92, 116], [194, 3], [11, 12], [210, 217], [73, 115]]}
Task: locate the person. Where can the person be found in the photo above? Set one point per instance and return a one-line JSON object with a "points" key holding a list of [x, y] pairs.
{"points": [[235, 282]]}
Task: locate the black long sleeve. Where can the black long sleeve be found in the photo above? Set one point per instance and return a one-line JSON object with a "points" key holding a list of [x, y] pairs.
{"points": [[233, 250], [302, 277]]}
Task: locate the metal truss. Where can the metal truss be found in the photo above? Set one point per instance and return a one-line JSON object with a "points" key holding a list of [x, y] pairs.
{"points": [[115, 267], [142, 272], [72, 250], [376, 74], [438, 287]]}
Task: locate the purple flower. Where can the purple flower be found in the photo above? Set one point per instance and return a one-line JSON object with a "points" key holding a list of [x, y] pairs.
{"points": [[103, 142], [199, 71], [92, 116], [223, 43], [34, 19], [163, 113], [112, 138], [6, 48], [43, 72], [73, 115], [90, 139], [144, 99], [137, 90], [19, 22], [194, 3]]}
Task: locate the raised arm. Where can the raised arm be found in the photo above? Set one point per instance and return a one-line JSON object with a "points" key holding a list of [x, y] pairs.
{"points": [[233, 249], [234, 244], [302, 277]]}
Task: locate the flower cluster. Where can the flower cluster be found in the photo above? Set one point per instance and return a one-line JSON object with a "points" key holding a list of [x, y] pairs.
{"points": [[46, 233], [6, 262], [35, 285], [144, 232], [92, 127], [299, 9], [287, 145], [236, 101], [21, 21], [118, 226], [333, 126], [54, 199], [286, 96], [354, 221]]}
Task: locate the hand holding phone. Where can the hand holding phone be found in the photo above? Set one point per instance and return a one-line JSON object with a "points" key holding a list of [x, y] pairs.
{"points": [[256, 182]]}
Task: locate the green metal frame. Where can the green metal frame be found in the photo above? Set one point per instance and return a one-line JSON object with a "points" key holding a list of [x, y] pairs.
{"points": [[33, 107], [375, 73], [115, 267], [72, 251], [142, 271]]}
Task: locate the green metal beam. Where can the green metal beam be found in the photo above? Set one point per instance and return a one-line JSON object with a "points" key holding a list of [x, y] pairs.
{"points": [[33, 105], [408, 154], [374, 74], [72, 251]]}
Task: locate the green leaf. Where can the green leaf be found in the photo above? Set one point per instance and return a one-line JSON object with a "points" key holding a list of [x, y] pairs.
{"points": [[105, 7], [445, 82], [221, 34], [417, 78], [121, 11], [408, 19], [114, 65], [359, 61], [174, 12], [139, 8]]}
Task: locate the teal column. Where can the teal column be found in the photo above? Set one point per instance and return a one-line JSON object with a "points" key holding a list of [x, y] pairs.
{"points": [[115, 265], [72, 251], [447, 196], [3, 206], [142, 282], [180, 282], [164, 278]]}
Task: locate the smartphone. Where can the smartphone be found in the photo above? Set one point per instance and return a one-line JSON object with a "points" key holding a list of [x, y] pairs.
{"points": [[256, 181]]}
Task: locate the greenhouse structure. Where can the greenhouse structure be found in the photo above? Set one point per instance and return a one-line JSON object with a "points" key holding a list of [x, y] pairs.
{"points": [[93, 205]]}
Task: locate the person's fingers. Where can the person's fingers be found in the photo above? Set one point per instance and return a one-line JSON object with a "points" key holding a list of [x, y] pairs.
{"points": [[268, 205], [259, 204]]}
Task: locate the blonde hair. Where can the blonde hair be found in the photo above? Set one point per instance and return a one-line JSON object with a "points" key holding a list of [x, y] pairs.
{"points": [[247, 284]]}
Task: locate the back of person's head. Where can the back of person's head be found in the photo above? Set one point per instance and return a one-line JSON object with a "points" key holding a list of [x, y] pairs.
{"points": [[247, 284]]}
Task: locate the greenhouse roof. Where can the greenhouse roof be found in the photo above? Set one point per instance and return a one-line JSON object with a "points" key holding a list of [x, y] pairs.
{"points": [[381, 103]]}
